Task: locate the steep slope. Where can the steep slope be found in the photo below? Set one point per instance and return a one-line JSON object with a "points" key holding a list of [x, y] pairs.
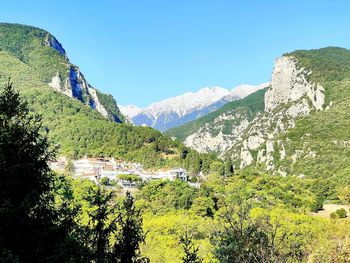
{"points": [[190, 106], [73, 124], [318, 145], [216, 131], [43, 53], [303, 128]]}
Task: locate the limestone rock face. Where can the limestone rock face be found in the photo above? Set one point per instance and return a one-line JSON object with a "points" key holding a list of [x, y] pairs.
{"points": [[73, 84], [76, 86], [205, 140], [51, 41], [253, 140], [96, 102], [290, 96], [289, 84], [56, 84]]}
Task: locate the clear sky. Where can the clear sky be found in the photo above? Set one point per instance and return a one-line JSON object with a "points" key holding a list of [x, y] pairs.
{"points": [[142, 51]]}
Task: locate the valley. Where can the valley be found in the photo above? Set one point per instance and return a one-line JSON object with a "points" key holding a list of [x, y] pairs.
{"points": [[253, 174]]}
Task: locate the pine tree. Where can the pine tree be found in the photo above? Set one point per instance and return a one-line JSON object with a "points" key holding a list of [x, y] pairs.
{"points": [[130, 236], [102, 226], [190, 250]]}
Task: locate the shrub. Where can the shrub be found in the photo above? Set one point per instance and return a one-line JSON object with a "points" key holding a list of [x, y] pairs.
{"points": [[341, 213]]}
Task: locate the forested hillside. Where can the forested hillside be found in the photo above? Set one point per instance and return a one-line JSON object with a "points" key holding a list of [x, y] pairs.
{"points": [[32, 58]]}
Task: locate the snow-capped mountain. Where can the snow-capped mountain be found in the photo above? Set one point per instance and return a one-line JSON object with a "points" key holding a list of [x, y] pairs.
{"points": [[187, 107]]}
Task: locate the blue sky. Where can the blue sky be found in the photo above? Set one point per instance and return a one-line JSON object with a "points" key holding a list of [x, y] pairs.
{"points": [[144, 51]]}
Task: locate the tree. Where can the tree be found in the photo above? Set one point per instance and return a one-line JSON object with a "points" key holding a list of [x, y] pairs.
{"points": [[30, 227], [127, 246], [203, 206], [344, 195], [190, 250], [229, 171], [102, 226], [217, 167], [130, 178], [69, 168], [241, 239], [197, 164]]}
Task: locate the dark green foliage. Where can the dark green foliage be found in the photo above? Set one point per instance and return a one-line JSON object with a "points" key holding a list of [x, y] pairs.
{"points": [[341, 213], [101, 225], [190, 250], [28, 44], [39, 214], [331, 63], [25, 179], [195, 162], [130, 234], [31, 228]]}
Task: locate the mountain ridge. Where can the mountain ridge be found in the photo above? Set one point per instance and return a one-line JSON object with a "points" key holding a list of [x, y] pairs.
{"points": [[42, 51], [174, 111]]}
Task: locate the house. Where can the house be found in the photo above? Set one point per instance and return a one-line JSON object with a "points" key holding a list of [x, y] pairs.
{"points": [[93, 168], [165, 174]]}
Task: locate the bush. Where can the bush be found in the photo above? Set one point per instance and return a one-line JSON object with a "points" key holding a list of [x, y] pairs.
{"points": [[341, 213]]}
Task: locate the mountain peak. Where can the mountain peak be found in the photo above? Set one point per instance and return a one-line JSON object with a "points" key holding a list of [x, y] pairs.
{"points": [[175, 111]]}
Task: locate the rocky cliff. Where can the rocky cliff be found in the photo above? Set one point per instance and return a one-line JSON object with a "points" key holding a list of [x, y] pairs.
{"points": [[290, 96], [43, 53], [294, 125]]}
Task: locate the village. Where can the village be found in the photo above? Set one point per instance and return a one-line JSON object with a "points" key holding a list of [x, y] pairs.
{"points": [[125, 174]]}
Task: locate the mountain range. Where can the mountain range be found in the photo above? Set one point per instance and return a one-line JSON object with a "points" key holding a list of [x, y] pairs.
{"points": [[175, 111], [298, 124]]}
